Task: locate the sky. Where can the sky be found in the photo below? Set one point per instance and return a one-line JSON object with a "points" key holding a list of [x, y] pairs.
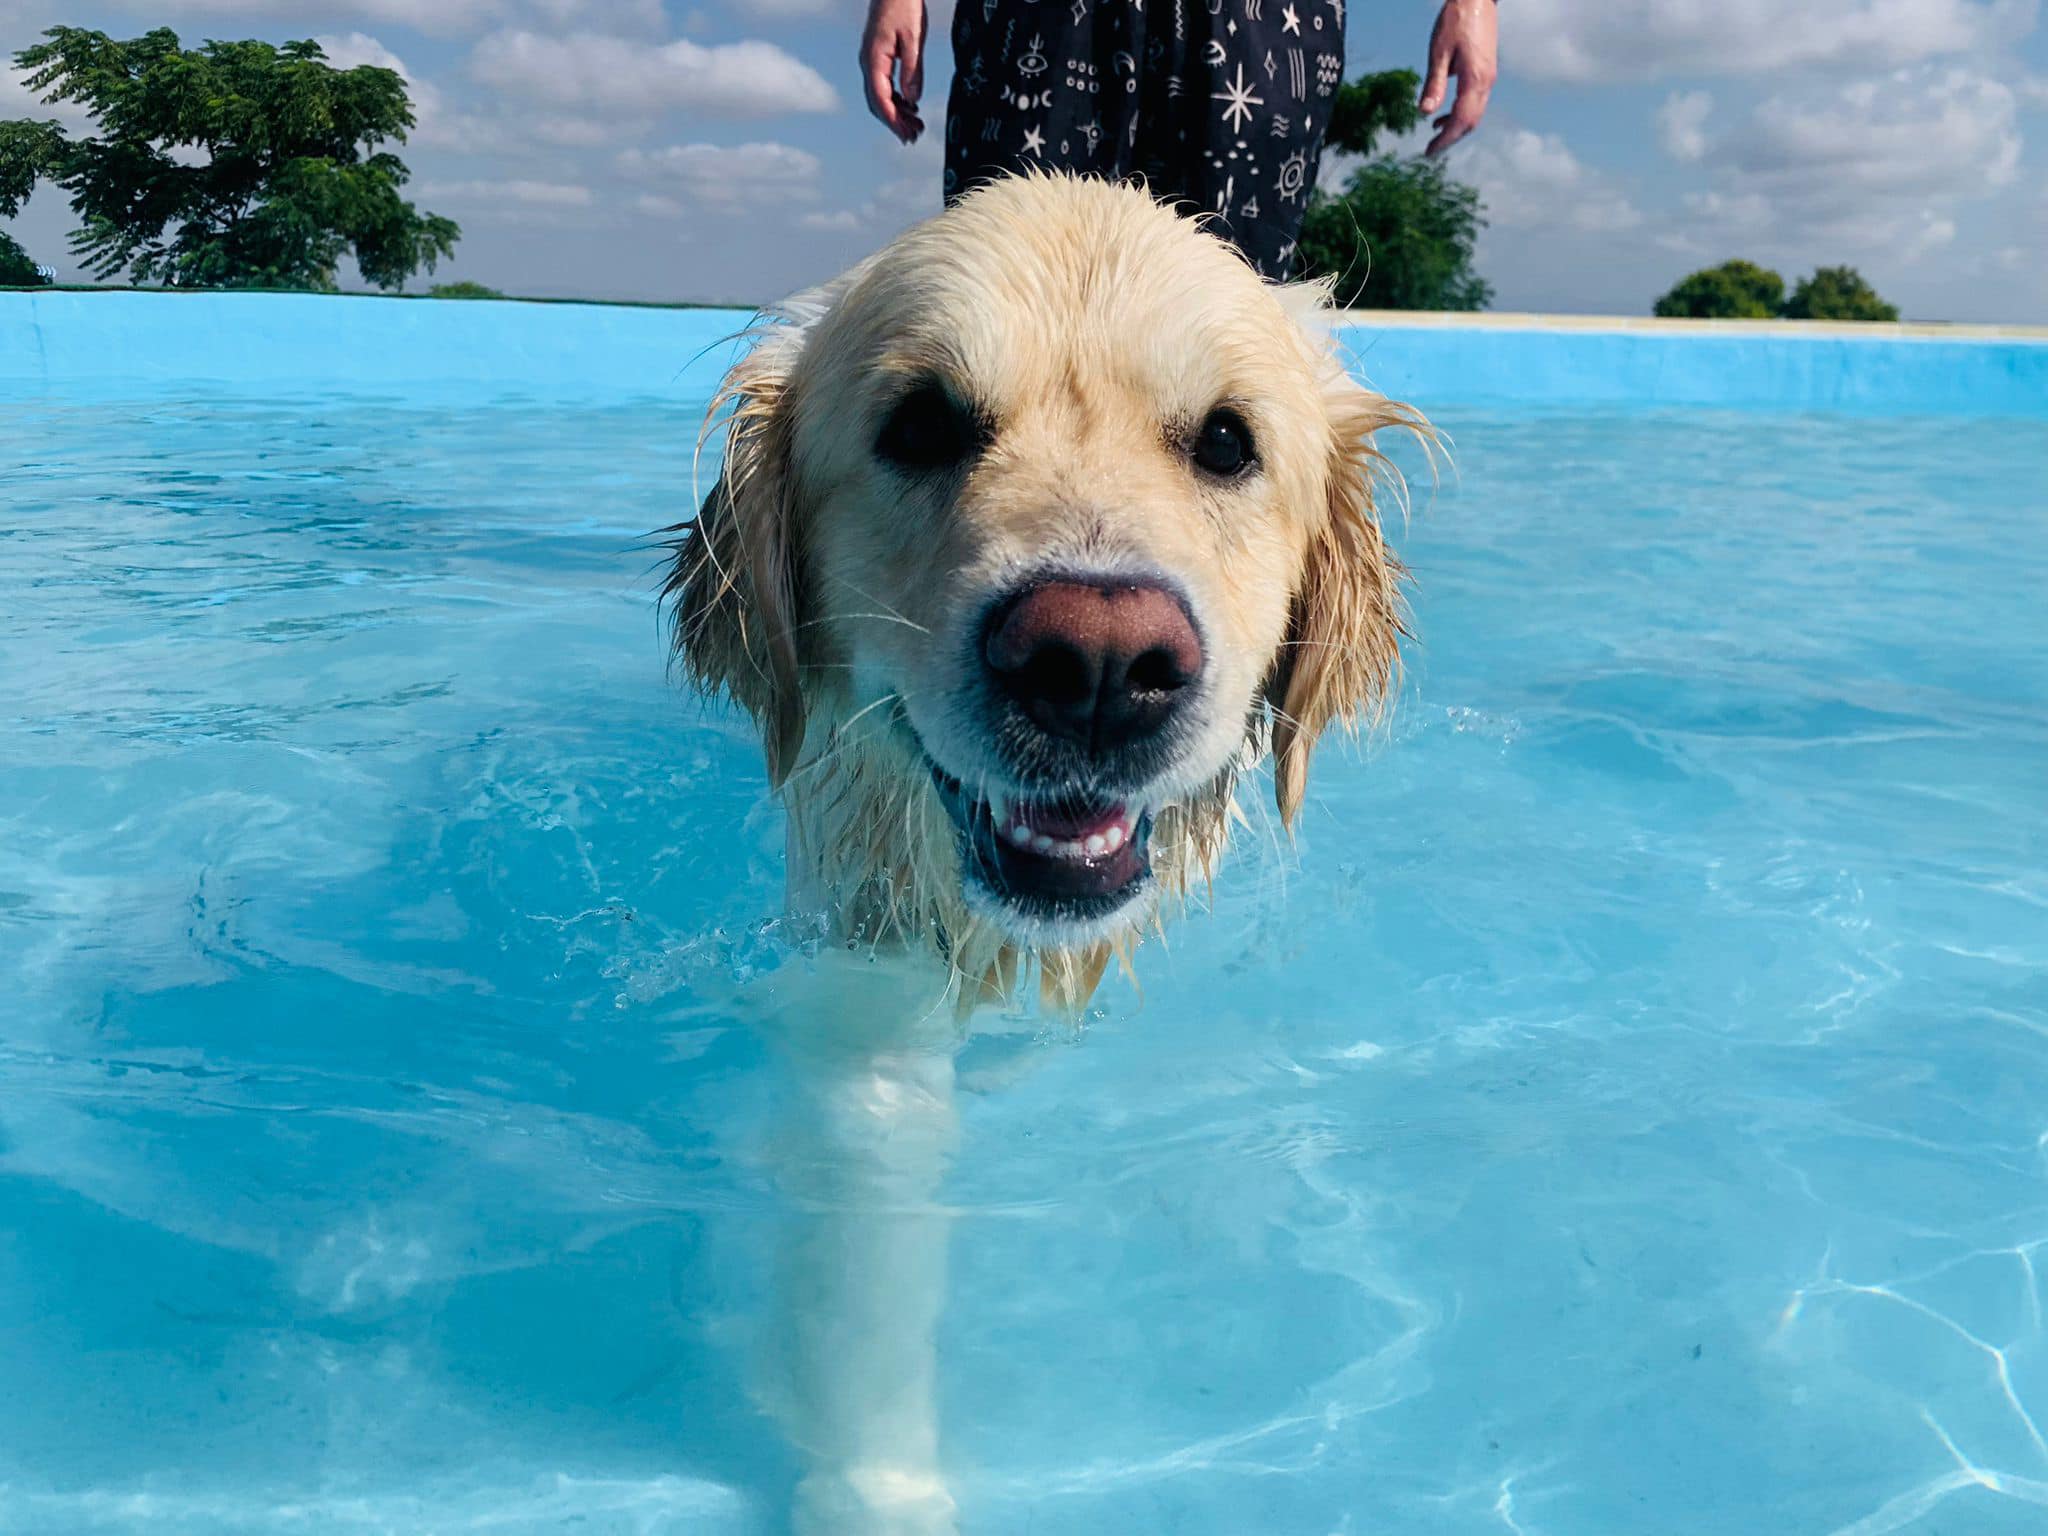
{"points": [[721, 150]]}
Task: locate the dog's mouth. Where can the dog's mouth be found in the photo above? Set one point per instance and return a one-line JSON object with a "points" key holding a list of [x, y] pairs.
{"points": [[1071, 856]]}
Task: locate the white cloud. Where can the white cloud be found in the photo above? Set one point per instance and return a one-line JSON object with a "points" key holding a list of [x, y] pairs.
{"points": [[440, 16], [1682, 125], [655, 206], [1533, 181], [531, 194], [1922, 133], [1586, 40], [347, 50], [571, 132], [640, 15], [439, 126], [780, 9], [1873, 169], [911, 193], [434, 126], [728, 174], [611, 75]]}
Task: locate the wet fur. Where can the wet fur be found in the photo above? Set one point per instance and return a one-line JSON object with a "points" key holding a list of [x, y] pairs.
{"points": [[761, 615]]}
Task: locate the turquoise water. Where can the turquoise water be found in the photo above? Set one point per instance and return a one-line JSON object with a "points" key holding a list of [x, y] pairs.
{"points": [[1626, 1113]]}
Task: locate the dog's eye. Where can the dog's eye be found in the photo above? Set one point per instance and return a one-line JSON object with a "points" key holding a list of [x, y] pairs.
{"points": [[1224, 445], [927, 429]]}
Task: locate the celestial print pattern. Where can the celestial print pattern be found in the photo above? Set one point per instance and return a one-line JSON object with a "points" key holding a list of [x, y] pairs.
{"points": [[1219, 104]]}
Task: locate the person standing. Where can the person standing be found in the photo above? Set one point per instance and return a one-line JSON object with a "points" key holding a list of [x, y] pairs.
{"points": [[1221, 103]]}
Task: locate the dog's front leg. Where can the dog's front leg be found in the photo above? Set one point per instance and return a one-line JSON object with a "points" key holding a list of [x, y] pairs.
{"points": [[862, 1271]]}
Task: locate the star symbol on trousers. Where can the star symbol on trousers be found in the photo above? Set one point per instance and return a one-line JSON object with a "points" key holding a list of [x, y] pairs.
{"points": [[1290, 20], [1239, 101], [1034, 141]]}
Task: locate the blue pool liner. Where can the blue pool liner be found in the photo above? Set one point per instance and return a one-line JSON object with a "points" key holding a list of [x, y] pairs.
{"points": [[119, 344]]}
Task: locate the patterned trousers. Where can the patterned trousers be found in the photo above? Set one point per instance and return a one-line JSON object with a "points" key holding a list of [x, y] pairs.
{"points": [[1221, 104]]}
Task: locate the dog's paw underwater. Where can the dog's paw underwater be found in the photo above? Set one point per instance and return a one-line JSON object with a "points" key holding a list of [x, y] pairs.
{"points": [[1035, 532]]}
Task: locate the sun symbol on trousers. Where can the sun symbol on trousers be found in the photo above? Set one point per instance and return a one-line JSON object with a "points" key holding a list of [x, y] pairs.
{"points": [[1293, 176]]}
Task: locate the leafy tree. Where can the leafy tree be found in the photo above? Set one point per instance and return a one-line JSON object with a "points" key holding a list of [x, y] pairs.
{"points": [[1837, 293], [1401, 233], [233, 164], [1372, 105], [463, 290], [1735, 290], [16, 269], [24, 149], [1399, 236]]}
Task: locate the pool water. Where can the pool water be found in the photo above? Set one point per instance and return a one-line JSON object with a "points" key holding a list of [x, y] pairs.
{"points": [[1626, 1112]]}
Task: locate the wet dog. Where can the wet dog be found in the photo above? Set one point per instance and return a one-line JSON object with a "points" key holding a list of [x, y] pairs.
{"points": [[1035, 533]]}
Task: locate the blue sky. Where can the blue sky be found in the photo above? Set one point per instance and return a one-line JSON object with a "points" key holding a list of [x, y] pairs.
{"points": [[719, 149]]}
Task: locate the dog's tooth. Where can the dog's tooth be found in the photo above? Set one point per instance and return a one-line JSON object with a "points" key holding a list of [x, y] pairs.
{"points": [[1113, 839], [1040, 843], [1021, 835], [1097, 843]]}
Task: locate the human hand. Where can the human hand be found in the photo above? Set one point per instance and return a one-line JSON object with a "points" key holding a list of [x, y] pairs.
{"points": [[892, 64], [1466, 43]]}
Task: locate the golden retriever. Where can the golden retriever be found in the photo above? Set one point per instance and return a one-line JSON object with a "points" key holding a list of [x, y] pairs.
{"points": [[1035, 531]]}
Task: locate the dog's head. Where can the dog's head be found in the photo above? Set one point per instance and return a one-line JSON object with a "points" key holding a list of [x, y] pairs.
{"points": [[1034, 531]]}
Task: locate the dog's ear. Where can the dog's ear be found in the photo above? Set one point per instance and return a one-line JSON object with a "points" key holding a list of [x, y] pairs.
{"points": [[734, 587], [1341, 656]]}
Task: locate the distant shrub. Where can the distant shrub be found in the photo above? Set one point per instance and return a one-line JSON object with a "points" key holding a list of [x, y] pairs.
{"points": [[462, 291], [1735, 290], [16, 269], [1837, 293]]}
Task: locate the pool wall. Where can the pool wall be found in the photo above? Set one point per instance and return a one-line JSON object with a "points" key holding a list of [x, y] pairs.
{"points": [[117, 344]]}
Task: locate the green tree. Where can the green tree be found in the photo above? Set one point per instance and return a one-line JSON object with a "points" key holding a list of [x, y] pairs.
{"points": [[17, 270], [463, 290], [1837, 293], [1400, 234], [1372, 105], [1735, 290], [24, 149], [233, 164]]}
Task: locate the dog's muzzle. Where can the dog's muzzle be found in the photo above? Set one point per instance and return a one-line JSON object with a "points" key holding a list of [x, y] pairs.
{"points": [[1064, 858]]}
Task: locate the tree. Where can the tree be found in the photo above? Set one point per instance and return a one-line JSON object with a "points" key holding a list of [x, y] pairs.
{"points": [[233, 164], [1401, 234], [24, 149], [16, 269], [1837, 293], [463, 290], [1735, 290], [1372, 105]]}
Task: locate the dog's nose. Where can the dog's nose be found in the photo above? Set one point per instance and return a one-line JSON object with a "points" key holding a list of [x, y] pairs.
{"points": [[1102, 665]]}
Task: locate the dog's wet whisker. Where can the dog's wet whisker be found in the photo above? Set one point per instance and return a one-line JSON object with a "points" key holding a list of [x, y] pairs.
{"points": [[882, 618], [844, 740], [868, 596]]}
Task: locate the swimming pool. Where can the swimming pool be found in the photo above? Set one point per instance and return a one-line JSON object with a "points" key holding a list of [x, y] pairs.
{"points": [[1627, 1113]]}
